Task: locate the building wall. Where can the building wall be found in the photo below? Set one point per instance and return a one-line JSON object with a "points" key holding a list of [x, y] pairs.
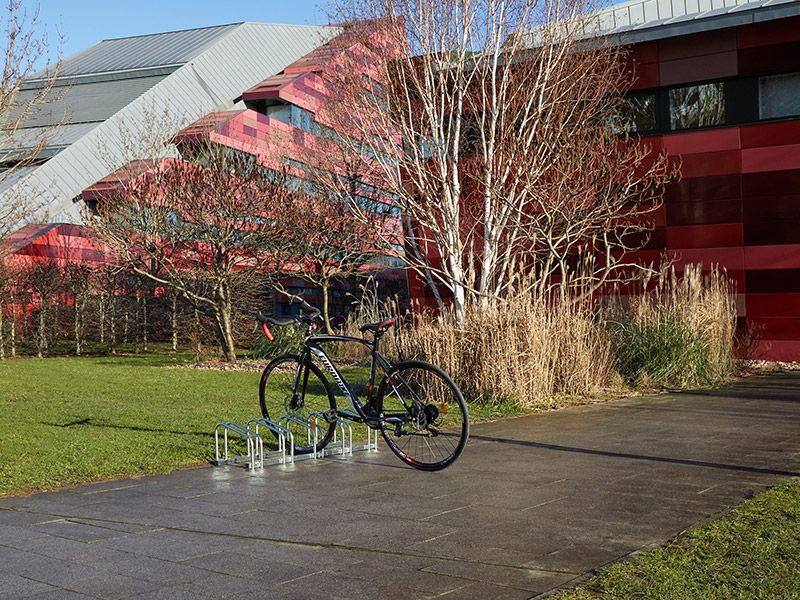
{"points": [[738, 201]]}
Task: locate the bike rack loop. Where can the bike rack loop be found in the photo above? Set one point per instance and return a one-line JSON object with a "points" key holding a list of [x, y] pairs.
{"points": [[255, 445], [283, 434], [311, 430], [339, 425]]}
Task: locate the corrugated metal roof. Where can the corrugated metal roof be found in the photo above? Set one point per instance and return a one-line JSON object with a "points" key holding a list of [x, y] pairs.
{"points": [[88, 102], [142, 52], [54, 138], [678, 17], [234, 62]]}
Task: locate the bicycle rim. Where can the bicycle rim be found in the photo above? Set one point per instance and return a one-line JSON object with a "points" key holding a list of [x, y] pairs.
{"points": [[425, 420]]}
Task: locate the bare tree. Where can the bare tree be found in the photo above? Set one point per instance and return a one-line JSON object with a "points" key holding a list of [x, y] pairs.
{"points": [[333, 240], [205, 229], [23, 46], [44, 281], [488, 121], [79, 279]]}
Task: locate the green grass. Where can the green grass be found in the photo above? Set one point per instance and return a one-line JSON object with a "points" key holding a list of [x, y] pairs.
{"points": [[751, 552], [69, 420]]}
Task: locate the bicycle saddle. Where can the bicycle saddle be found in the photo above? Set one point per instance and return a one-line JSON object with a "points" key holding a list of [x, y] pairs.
{"points": [[376, 327]]}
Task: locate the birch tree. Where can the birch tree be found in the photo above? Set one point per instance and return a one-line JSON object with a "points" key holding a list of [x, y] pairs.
{"points": [[488, 121]]}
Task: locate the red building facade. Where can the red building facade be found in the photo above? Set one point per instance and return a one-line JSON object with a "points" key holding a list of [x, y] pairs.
{"points": [[726, 102]]}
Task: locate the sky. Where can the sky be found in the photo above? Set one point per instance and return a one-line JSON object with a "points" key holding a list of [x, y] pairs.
{"points": [[84, 22]]}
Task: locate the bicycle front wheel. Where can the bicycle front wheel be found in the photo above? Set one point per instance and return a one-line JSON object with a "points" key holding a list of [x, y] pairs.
{"points": [[280, 397], [424, 419]]}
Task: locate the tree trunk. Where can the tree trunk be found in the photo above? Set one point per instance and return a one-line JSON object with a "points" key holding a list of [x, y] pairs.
{"points": [[102, 307], [13, 332], [125, 326], [174, 317], [41, 345], [2, 337], [325, 308], [112, 324], [77, 325], [198, 348], [222, 316], [144, 323]]}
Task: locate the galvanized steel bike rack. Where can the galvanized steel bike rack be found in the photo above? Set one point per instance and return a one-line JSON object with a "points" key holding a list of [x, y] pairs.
{"points": [[312, 431], [342, 443], [255, 446], [283, 434]]}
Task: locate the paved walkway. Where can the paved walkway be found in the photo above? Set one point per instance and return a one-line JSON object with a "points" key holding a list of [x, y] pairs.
{"points": [[534, 503]]}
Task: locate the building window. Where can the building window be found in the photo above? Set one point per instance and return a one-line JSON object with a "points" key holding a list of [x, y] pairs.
{"points": [[697, 106], [779, 96], [636, 115]]}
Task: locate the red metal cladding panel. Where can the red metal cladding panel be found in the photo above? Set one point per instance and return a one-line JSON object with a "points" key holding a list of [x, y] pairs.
{"points": [[697, 189], [646, 76], [730, 258], [785, 350], [773, 305], [769, 32], [726, 162], [699, 68], [776, 183], [776, 328], [697, 44], [704, 211], [773, 257], [773, 281], [771, 208], [761, 233], [704, 236], [775, 158], [781, 133], [775, 57], [697, 142]]}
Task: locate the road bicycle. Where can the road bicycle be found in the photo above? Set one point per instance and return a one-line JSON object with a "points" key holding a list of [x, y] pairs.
{"points": [[417, 408]]}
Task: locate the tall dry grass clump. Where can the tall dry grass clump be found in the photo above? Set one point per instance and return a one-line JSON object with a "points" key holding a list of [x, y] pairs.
{"points": [[533, 351], [679, 334], [526, 350]]}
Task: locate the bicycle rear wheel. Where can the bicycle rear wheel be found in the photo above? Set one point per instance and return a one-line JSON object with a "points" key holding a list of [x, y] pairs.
{"points": [[313, 394], [424, 419]]}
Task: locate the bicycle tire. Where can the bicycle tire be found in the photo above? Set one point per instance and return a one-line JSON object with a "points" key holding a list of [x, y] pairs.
{"points": [[437, 421], [273, 385]]}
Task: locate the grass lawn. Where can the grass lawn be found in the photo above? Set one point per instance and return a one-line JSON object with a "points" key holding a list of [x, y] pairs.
{"points": [[751, 552], [69, 420]]}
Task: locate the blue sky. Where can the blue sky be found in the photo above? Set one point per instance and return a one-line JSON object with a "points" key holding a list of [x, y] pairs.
{"points": [[84, 22]]}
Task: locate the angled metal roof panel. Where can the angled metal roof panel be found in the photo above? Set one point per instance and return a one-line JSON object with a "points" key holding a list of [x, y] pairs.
{"points": [[141, 52], [642, 20], [54, 138], [235, 62], [87, 102]]}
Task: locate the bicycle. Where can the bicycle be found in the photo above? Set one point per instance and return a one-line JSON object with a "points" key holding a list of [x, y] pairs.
{"points": [[417, 408]]}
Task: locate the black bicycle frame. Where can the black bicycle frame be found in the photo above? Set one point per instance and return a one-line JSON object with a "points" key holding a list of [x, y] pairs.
{"points": [[311, 346]]}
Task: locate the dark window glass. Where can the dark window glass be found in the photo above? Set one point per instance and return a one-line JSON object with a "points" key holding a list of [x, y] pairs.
{"points": [[779, 96], [637, 114], [697, 106]]}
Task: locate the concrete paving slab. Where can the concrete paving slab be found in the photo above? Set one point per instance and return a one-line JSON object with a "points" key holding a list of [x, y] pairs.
{"points": [[534, 503]]}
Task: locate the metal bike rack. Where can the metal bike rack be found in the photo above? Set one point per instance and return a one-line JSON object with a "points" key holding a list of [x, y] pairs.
{"points": [[342, 435], [255, 446], [342, 443], [283, 434], [312, 431], [372, 434]]}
